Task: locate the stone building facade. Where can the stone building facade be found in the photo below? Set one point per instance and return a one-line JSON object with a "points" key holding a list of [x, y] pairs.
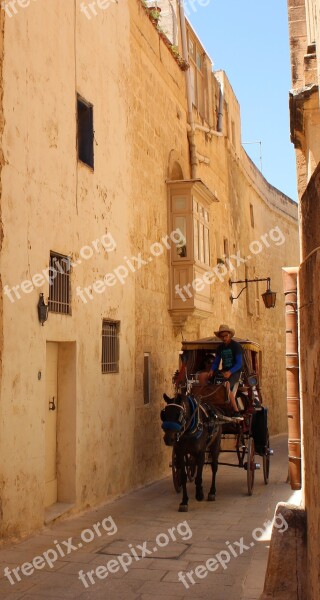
{"points": [[117, 186], [302, 546], [304, 27]]}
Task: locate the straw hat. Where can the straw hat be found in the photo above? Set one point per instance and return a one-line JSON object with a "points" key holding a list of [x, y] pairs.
{"points": [[224, 328]]}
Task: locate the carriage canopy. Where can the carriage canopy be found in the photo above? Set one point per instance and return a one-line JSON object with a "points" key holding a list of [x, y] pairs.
{"points": [[194, 351]]}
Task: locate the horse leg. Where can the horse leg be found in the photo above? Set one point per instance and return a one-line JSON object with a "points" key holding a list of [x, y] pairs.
{"points": [[198, 479], [214, 451], [183, 506]]}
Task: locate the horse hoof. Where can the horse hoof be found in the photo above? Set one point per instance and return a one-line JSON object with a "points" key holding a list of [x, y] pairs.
{"points": [[183, 508], [211, 497], [200, 497]]}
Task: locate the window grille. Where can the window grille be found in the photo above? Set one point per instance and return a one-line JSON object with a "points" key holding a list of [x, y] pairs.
{"points": [[110, 346], [59, 284]]}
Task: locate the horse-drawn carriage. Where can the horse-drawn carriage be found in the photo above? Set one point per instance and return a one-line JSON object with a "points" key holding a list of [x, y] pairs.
{"points": [[201, 410]]}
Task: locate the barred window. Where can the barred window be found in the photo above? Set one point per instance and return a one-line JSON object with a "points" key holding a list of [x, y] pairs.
{"points": [[59, 284], [110, 346]]}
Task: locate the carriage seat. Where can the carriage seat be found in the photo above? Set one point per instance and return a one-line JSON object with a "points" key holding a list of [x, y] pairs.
{"points": [[212, 394]]}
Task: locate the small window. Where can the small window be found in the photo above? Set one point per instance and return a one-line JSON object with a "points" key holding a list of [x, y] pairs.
{"points": [[85, 132], [180, 222], [233, 133], [198, 60], [249, 293], [110, 346], [257, 298], [225, 247], [146, 378], [59, 284], [201, 233], [251, 215], [198, 78], [191, 48]]}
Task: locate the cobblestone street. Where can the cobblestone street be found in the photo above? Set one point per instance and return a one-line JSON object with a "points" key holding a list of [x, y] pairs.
{"points": [[147, 522]]}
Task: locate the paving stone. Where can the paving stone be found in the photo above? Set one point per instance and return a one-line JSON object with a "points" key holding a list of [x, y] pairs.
{"points": [[156, 597], [170, 565], [18, 587], [112, 589], [12, 593], [145, 575], [162, 588], [31, 597]]}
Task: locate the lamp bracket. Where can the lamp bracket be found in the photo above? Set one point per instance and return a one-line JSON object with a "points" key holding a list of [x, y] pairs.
{"points": [[246, 281]]}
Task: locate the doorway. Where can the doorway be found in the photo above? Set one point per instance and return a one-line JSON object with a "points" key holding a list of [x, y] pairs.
{"points": [[51, 411], [60, 423]]}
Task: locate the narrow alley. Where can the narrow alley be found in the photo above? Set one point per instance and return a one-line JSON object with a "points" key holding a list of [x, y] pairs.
{"points": [[140, 547]]}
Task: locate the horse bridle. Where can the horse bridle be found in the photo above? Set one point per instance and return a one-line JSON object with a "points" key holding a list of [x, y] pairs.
{"points": [[183, 423], [171, 425]]}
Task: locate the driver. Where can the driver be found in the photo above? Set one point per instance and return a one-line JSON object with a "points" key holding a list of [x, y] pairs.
{"points": [[230, 353]]}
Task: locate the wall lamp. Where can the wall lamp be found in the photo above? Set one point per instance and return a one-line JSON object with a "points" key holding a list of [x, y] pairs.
{"points": [[268, 297], [42, 310]]}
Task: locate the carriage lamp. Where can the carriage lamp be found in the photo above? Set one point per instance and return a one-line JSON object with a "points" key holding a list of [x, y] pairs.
{"points": [[268, 297], [42, 310]]}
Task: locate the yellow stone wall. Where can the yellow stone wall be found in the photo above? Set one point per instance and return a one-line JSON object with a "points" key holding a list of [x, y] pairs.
{"points": [[117, 61], [305, 119]]}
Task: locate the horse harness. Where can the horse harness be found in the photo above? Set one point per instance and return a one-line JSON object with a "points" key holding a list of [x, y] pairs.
{"points": [[193, 427]]}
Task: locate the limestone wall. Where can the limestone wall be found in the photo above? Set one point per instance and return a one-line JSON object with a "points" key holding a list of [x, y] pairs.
{"points": [[305, 114], [52, 202], [309, 364], [118, 62]]}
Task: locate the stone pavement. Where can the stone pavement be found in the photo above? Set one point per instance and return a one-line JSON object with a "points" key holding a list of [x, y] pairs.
{"points": [[147, 522]]}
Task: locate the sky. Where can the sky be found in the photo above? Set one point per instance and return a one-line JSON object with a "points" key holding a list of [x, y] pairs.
{"points": [[249, 40]]}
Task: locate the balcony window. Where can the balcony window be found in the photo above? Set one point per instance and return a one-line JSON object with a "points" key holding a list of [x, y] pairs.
{"points": [[189, 208]]}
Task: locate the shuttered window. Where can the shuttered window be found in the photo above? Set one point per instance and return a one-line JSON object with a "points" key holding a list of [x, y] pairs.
{"points": [[85, 133]]}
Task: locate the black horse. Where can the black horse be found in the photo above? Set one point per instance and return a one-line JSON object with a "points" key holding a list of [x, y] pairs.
{"points": [[192, 428]]}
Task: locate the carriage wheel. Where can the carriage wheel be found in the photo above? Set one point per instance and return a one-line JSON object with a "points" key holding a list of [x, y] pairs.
{"points": [[175, 473], [250, 466], [191, 467], [266, 460]]}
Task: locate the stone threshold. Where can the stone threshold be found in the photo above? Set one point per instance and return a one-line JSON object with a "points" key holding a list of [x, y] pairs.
{"points": [[55, 511]]}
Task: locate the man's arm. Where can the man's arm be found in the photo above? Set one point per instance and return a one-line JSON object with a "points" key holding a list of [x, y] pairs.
{"points": [[215, 363]]}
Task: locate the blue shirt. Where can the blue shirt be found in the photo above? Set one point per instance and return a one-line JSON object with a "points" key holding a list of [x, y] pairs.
{"points": [[231, 356]]}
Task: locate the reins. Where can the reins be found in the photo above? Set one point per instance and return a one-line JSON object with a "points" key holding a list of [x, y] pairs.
{"points": [[211, 393], [196, 410], [193, 414]]}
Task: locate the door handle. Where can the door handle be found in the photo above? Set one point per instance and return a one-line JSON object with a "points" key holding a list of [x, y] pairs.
{"points": [[52, 405]]}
